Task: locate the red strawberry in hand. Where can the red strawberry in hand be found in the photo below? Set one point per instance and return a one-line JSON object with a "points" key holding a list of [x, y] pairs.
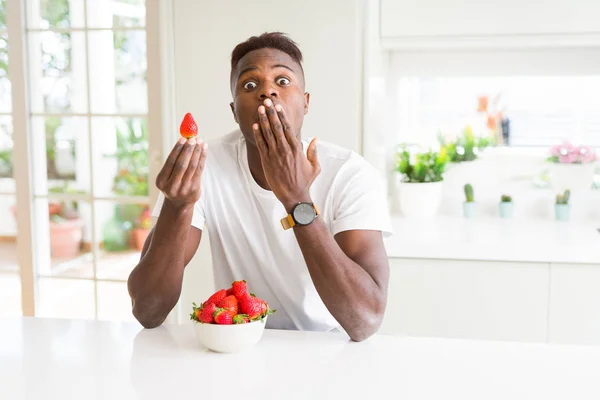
{"points": [[215, 298], [188, 128], [251, 306], [206, 315], [241, 319], [239, 289], [229, 291], [223, 316], [229, 303]]}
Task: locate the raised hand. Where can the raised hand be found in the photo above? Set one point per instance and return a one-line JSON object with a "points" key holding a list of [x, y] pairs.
{"points": [[288, 171], [180, 177]]}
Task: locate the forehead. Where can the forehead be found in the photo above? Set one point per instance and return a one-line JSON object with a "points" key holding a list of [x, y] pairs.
{"points": [[266, 59]]}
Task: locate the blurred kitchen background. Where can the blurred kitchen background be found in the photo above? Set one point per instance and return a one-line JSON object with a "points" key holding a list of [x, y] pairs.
{"points": [[483, 117]]}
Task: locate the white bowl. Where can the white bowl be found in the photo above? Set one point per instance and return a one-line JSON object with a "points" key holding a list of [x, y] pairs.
{"points": [[229, 338]]}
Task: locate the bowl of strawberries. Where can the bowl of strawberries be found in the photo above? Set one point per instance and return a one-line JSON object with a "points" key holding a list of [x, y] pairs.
{"points": [[231, 320]]}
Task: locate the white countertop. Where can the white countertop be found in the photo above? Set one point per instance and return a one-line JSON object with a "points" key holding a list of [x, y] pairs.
{"points": [[61, 359], [494, 239]]}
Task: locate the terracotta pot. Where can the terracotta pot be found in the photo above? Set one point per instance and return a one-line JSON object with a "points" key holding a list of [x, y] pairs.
{"points": [[65, 238], [139, 236]]}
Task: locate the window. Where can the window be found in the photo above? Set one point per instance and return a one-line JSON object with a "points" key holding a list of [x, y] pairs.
{"points": [[10, 288], [547, 95], [541, 110], [88, 151]]}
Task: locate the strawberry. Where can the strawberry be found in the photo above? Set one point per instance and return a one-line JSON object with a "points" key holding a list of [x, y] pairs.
{"points": [[188, 128], [264, 306], [223, 316], [229, 303], [239, 289], [206, 315], [215, 298], [229, 291], [251, 305], [195, 315], [241, 319]]}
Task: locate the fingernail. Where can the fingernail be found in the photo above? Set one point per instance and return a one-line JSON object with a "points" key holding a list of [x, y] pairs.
{"points": [[268, 102], [255, 127], [261, 109], [192, 141], [205, 145], [182, 140], [278, 107]]}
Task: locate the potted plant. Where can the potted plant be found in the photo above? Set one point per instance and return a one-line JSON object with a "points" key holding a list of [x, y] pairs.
{"points": [[66, 225], [131, 180], [66, 229], [506, 206], [465, 147], [562, 208], [420, 189], [142, 229], [572, 167], [469, 206]]}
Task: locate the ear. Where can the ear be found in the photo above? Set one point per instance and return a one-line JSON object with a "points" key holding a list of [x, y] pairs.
{"points": [[233, 111], [306, 102]]}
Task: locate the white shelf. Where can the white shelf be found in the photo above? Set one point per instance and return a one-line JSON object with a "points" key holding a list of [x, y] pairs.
{"points": [[494, 239]]}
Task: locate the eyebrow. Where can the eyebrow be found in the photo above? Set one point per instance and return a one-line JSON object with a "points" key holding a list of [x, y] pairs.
{"points": [[252, 68]]}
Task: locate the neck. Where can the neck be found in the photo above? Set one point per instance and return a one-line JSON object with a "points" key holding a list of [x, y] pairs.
{"points": [[255, 165]]}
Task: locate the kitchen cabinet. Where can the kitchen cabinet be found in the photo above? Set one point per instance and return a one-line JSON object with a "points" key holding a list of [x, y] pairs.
{"points": [[487, 18], [575, 303], [468, 299]]}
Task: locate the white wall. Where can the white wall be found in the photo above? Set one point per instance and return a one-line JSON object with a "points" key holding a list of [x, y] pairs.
{"points": [[427, 18], [328, 33], [330, 37]]}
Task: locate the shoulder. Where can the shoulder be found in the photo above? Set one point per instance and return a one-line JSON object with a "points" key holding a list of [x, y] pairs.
{"points": [[223, 151], [227, 143], [344, 164]]}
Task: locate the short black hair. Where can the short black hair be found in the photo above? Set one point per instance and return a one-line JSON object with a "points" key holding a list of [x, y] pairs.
{"points": [[273, 40]]}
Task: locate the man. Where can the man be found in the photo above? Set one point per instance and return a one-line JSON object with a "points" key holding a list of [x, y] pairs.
{"points": [[302, 222]]}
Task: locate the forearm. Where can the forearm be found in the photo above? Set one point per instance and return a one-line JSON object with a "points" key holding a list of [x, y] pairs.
{"points": [[155, 283], [352, 296]]}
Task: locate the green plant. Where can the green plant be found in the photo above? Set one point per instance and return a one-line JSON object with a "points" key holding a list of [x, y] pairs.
{"points": [[469, 195], [132, 159], [421, 167], [465, 147], [6, 162], [65, 210], [563, 198], [506, 199]]}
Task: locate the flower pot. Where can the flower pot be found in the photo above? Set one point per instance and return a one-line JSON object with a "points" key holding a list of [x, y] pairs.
{"points": [[505, 209], [562, 212], [420, 200], [575, 177], [65, 238], [469, 209], [139, 236]]}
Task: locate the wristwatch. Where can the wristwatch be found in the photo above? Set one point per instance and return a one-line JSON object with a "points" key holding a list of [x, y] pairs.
{"points": [[302, 214]]}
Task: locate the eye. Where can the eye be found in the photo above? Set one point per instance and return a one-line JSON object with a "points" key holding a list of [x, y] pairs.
{"points": [[283, 81], [249, 85]]}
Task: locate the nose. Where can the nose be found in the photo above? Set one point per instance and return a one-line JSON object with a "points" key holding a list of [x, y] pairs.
{"points": [[269, 90]]}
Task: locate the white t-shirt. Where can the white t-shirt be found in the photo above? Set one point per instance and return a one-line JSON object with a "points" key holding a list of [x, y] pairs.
{"points": [[246, 237]]}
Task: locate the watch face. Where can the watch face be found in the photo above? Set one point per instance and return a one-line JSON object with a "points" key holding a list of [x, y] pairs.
{"points": [[304, 213]]}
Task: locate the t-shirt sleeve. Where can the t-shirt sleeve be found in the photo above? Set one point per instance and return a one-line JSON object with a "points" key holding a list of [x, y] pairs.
{"points": [[199, 217], [360, 199]]}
